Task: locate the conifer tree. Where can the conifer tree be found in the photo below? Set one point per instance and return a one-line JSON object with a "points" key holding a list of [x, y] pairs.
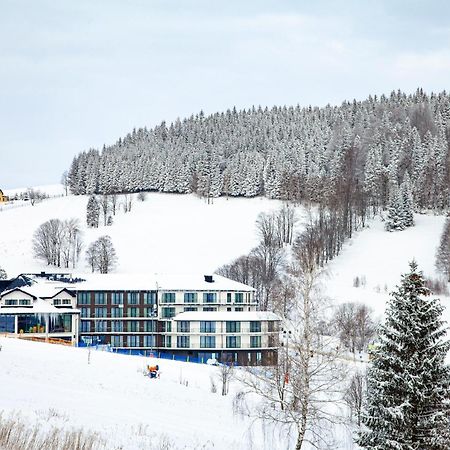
{"points": [[394, 220], [443, 251], [407, 201], [408, 393], [92, 212]]}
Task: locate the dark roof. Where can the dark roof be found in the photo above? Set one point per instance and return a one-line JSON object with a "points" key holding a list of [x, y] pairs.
{"points": [[21, 280], [20, 290], [4, 285]]}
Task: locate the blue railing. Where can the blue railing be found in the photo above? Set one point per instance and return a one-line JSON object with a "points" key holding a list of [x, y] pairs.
{"points": [[148, 353]]}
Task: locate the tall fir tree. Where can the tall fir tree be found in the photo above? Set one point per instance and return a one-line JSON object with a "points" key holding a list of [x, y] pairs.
{"points": [[395, 220], [443, 251], [408, 382], [92, 212]]}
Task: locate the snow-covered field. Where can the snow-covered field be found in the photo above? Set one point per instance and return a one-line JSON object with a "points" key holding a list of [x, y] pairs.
{"points": [[54, 385], [170, 233], [379, 258], [166, 233]]}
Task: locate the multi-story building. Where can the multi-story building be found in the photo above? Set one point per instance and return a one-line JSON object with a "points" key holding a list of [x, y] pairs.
{"points": [[207, 317]]}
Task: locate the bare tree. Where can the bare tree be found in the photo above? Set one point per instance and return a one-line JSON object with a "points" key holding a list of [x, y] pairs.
{"points": [[65, 181], [127, 202], [101, 255], [58, 242], [104, 206], [92, 256], [225, 374], [354, 396], [285, 221], [302, 391], [355, 325], [114, 198], [35, 195]]}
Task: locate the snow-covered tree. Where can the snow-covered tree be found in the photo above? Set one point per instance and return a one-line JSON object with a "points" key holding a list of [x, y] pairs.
{"points": [[3, 275], [443, 251], [408, 394], [395, 219], [92, 212], [407, 201]]}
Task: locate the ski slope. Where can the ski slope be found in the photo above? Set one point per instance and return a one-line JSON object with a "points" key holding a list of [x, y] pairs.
{"points": [[167, 233]]}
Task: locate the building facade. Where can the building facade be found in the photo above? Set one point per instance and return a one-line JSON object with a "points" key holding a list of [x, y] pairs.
{"points": [[202, 317], [34, 312]]}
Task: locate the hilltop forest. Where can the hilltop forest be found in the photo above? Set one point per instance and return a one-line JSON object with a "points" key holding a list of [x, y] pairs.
{"points": [[350, 158]]}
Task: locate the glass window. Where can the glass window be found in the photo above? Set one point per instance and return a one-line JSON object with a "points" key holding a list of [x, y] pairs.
{"points": [[239, 309], [207, 327], [209, 297], [66, 301], [133, 312], [229, 297], [116, 312], [168, 297], [190, 297], [150, 312], [149, 326], [255, 341], [85, 326], [239, 297], [100, 312], [117, 341], [133, 298], [116, 325], [166, 327], [183, 326], [149, 341], [167, 313], [10, 302], [233, 327], [233, 341], [85, 312], [207, 341], [117, 298], [167, 341], [26, 302], [100, 298], [183, 341], [84, 298], [133, 341], [190, 308], [100, 326], [133, 325], [150, 298], [209, 308], [255, 327]]}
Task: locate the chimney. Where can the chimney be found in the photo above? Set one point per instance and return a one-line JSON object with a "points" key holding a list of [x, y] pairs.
{"points": [[209, 279]]}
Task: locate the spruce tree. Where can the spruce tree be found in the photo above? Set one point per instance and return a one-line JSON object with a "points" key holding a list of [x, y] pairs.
{"points": [[395, 220], [408, 392], [92, 212], [407, 201], [443, 251]]}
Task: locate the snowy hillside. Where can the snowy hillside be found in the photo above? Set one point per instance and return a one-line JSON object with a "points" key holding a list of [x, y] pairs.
{"points": [[165, 233], [378, 259], [55, 386]]}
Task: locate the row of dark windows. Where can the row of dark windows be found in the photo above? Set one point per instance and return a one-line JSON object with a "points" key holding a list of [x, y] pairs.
{"points": [[149, 297]]}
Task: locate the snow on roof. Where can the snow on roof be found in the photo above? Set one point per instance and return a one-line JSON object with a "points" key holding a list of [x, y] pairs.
{"points": [[242, 316], [41, 289], [39, 306], [164, 282]]}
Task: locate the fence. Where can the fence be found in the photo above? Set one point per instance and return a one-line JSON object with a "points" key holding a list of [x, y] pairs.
{"points": [[148, 353]]}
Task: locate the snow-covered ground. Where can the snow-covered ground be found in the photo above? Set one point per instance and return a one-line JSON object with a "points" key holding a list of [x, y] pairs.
{"points": [[166, 233], [379, 258], [170, 233], [55, 385]]}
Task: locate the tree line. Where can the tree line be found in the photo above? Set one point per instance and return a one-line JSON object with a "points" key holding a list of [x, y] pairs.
{"points": [[352, 156]]}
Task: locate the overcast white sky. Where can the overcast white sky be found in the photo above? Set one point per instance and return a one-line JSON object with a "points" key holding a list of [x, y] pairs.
{"points": [[80, 73]]}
